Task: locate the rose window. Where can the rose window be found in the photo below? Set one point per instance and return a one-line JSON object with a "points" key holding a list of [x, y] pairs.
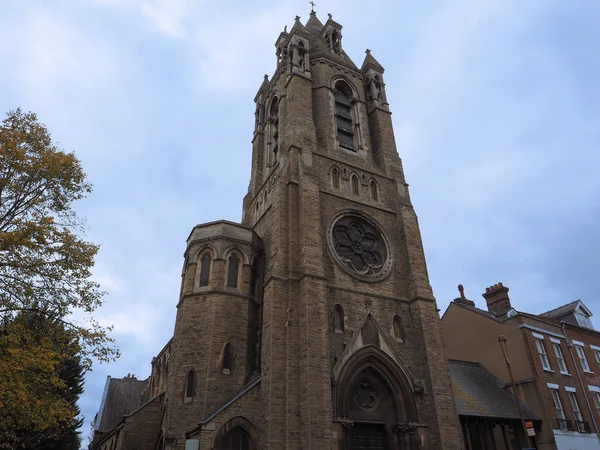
{"points": [[360, 247]]}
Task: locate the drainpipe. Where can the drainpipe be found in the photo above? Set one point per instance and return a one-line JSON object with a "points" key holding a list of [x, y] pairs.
{"points": [[587, 400]]}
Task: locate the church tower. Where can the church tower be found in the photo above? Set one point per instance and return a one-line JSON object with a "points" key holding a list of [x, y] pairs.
{"points": [[311, 325], [351, 347]]}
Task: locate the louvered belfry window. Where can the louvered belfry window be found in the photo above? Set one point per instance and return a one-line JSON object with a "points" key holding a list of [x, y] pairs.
{"points": [[343, 118]]}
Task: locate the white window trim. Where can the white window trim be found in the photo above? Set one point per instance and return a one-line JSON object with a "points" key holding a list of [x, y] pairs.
{"points": [[582, 347], [578, 343], [547, 367], [552, 385], [537, 335], [595, 347], [594, 388], [564, 372], [558, 407], [570, 389], [556, 341], [541, 330]]}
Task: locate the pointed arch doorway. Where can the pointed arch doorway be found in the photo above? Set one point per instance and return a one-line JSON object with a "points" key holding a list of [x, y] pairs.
{"points": [[374, 403]]}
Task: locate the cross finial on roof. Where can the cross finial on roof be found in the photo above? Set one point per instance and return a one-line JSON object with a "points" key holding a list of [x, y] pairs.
{"points": [[312, 6], [368, 51]]}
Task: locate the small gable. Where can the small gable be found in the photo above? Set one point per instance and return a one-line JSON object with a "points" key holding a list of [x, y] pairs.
{"points": [[369, 334]]}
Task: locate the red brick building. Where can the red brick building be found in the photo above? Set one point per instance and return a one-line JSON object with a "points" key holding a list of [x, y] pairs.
{"points": [[555, 358]]}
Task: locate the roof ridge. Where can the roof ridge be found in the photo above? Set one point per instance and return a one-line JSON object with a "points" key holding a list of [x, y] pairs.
{"points": [[559, 307]]}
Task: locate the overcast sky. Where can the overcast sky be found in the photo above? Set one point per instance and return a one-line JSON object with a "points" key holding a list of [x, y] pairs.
{"points": [[496, 108]]}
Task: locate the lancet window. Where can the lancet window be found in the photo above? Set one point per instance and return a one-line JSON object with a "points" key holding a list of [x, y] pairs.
{"points": [[343, 116]]}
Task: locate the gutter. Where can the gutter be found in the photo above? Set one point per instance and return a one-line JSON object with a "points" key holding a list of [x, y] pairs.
{"points": [[585, 395]]}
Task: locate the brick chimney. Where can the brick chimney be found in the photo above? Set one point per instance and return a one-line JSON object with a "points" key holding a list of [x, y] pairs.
{"points": [[497, 300]]}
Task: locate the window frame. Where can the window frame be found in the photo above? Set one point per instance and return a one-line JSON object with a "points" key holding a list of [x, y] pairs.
{"points": [[559, 411], [597, 355], [558, 354], [204, 257], [541, 349], [577, 416], [227, 359], [582, 358], [344, 116], [191, 375], [355, 185], [335, 178], [398, 329], [233, 255], [596, 399], [338, 313], [373, 188]]}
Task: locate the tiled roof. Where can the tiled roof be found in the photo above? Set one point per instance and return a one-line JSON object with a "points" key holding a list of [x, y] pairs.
{"points": [[479, 393], [122, 398], [561, 310]]}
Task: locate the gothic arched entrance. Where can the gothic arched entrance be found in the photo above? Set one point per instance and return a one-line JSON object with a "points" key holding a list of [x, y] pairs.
{"points": [[236, 434], [374, 403]]}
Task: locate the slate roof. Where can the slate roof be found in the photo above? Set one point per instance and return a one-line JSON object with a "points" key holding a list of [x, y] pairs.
{"points": [[122, 398], [561, 310], [479, 393]]}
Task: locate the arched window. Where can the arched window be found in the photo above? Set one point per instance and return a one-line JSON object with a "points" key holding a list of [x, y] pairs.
{"points": [[232, 271], [301, 54], [399, 331], [374, 195], [236, 439], [204, 269], [335, 178], [354, 183], [227, 359], [274, 119], [338, 319], [343, 116], [190, 384]]}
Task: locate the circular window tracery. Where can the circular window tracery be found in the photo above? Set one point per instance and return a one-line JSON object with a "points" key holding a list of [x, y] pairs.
{"points": [[366, 395], [359, 246]]}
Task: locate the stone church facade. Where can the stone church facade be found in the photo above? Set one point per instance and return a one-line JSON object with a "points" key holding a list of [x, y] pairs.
{"points": [[318, 324]]}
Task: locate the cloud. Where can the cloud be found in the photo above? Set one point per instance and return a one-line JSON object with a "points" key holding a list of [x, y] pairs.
{"points": [[167, 16], [57, 55]]}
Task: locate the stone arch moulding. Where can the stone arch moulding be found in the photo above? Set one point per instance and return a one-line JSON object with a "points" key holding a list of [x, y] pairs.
{"points": [[236, 249], [203, 275], [230, 425], [335, 176], [374, 397], [202, 249], [372, 357], [337, 78]]}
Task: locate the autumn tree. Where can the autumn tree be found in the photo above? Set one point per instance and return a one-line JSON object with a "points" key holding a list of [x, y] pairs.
{"points": [[45, 264], [45, 378]]}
